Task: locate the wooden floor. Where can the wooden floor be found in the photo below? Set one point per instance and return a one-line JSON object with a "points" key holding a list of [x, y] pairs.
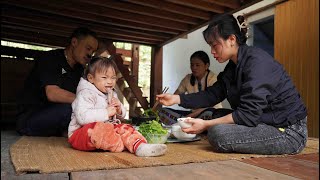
{"points": [[293, 167]]}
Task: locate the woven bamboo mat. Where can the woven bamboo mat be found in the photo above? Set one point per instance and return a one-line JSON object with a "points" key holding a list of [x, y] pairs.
{"points": [[54, 155]]}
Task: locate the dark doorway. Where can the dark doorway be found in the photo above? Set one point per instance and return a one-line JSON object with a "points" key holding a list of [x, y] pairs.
{"points": [[263, 34]]}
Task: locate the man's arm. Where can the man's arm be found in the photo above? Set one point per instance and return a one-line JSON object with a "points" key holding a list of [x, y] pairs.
{"points": [[56, 94]]}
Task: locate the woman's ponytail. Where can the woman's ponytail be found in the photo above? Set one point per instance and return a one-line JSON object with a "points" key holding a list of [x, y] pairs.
{"points": [[243, 29]]}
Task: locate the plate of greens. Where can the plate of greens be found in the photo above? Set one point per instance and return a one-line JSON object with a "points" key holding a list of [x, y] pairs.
{"points": [[153, 132]]}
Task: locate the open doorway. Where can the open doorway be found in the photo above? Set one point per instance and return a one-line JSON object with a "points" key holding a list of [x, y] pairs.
{"points": [[262, 34]]}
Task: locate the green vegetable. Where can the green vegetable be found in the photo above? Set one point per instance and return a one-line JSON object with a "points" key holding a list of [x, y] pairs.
{"points": [[152, 127], [153, 132], [149, 113]]}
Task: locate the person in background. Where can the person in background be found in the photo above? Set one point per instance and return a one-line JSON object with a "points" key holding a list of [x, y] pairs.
{"points": [[97, 114], [44, 106], [200, 78], [268, 115]]}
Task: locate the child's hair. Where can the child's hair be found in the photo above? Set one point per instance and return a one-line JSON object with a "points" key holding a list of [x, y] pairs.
{"points": [[223, 26], [99, 64]]}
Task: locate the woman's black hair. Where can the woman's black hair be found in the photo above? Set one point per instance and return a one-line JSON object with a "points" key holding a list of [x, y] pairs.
{"points": [[203, 56], [223, 26], [99, 64]]}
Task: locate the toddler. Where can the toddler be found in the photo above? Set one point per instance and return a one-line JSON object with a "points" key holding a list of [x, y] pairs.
{"points": [[97, 114]]}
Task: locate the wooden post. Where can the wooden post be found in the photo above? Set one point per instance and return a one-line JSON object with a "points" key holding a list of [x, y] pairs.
{"points": [[156, 73], [135, 62]]}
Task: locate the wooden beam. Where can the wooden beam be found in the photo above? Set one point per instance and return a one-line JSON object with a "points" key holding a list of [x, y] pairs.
{"points": [[233, 4], [35, 39], [26, 18], [43, 33], [264, 8], [98, 13], [204, 23], [138, 9], [135, 62], [83, 18], [200, 5], [124, 52], [156, 73], [171, 7]]}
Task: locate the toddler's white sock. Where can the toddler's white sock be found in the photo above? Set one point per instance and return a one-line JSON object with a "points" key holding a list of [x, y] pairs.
{"points": [[148, 150]]}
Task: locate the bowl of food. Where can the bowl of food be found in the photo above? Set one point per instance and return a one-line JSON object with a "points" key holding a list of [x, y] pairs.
{"points": [[156, 138], [182, 123], [179, 134], [154, 132]]}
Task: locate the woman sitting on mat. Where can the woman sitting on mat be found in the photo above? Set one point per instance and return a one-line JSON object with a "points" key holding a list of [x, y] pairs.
{"points": [[268, 117]]}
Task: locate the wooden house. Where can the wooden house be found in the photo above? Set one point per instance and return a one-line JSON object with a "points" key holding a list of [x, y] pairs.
{"points": [[155, 23]]}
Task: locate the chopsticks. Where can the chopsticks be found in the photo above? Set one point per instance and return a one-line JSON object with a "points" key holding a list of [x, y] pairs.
{"points": [[154, 108]]}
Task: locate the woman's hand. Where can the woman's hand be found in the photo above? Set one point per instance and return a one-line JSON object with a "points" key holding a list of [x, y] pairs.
{"points": [[168, 99], [197, 126], [200, 125]]}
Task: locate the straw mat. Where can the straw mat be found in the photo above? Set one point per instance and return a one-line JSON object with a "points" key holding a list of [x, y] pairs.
{"points": [[55, 155]]}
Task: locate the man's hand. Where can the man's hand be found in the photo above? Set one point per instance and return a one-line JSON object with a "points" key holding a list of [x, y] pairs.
{"points": [[55, 94]]}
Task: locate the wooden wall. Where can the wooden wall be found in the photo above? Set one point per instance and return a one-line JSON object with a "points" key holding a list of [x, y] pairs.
{"points": [[296, 46]]}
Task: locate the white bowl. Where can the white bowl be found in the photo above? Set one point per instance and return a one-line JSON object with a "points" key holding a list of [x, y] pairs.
{"points": [[179, 134], [182, 123]]}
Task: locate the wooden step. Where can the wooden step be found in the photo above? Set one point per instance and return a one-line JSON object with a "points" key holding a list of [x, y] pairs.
{"points": [[127, 63], [121, 85], [138, 111], [127, 93], [132, 82]]}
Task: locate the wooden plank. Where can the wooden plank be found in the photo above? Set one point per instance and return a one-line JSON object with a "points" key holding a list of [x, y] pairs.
{"points": [[289, 51], [174, 8], [207, 6], [23, 17], [135, 62], [233, 4], [231, 169], [124, 52], [308, 157], [296, 167], [156, 73], [90, 13], [138, 9], [9, 137]]}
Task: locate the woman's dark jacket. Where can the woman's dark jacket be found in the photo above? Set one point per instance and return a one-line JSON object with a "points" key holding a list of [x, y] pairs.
{"points": [[258, 89]]}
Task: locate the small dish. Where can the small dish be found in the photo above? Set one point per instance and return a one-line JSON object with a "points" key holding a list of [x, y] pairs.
{"points": [[182, 123], [179, 134]]}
